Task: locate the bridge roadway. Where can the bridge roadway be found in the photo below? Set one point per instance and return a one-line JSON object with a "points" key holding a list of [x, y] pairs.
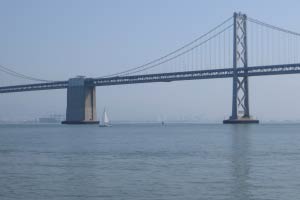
{"points": [[163, 77]]}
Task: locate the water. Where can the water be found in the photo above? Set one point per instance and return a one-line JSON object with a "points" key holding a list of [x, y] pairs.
{"points": [[150, 162]]}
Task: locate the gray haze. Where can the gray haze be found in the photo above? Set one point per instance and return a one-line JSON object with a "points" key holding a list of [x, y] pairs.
{"points": [[57, 40]]}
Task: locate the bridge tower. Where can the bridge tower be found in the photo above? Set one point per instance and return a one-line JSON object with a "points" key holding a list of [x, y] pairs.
{"points": [[81, 102], [240, 94]]}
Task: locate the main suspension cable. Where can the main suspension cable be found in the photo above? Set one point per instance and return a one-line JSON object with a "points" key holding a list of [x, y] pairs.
{"points": [[19, 75], [272, 26], [178, 55], [169, 54]]}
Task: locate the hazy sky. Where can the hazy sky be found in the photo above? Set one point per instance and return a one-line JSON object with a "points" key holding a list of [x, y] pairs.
{"points": [[59, 39]]}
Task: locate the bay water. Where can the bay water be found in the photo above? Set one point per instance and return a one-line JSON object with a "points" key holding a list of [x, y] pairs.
{"points": [[150, 161]]}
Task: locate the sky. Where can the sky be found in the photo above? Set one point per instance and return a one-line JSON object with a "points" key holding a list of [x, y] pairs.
{"points": [[60, 39]]}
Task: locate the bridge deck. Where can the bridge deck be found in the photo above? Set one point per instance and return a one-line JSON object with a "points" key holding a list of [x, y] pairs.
{"points": [[163, 77]]}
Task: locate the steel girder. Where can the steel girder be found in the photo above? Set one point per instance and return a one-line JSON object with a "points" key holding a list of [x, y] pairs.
{"points": [[164, 77], [33, 87]]}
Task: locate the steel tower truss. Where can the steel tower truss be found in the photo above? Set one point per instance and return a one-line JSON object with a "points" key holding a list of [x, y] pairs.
{"points": [[240, 97]]}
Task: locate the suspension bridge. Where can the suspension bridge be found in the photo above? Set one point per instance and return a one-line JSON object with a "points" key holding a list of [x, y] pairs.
{"points": [[238, 48]]}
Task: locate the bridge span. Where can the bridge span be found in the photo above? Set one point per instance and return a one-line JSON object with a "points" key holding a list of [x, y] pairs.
{"points": [[81, 88], [161, 77]]}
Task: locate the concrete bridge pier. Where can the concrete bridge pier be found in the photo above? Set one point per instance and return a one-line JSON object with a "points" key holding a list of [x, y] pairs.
{"points": [[81, 102]]}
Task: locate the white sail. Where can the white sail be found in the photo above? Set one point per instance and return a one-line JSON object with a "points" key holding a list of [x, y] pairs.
{"points": [[105, 120]]}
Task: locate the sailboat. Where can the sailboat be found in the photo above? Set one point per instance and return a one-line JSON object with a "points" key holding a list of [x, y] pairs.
{"points": [[105, 120]]}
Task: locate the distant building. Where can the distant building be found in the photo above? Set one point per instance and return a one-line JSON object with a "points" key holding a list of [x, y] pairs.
{"points": [[52, 119]]}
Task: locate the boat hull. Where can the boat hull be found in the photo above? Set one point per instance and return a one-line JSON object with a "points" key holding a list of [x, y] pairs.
{"points": [[105, 125]]}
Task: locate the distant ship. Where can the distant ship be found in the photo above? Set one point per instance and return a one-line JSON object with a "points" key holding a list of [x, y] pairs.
{"points": [[105, 120]]}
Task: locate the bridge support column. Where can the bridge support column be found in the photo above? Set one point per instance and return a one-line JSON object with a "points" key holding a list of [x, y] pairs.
{"points": [[81, 102], [240, 96]]}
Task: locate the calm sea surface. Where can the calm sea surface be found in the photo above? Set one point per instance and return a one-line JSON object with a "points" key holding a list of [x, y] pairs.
{"points": [[150, 162]]}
